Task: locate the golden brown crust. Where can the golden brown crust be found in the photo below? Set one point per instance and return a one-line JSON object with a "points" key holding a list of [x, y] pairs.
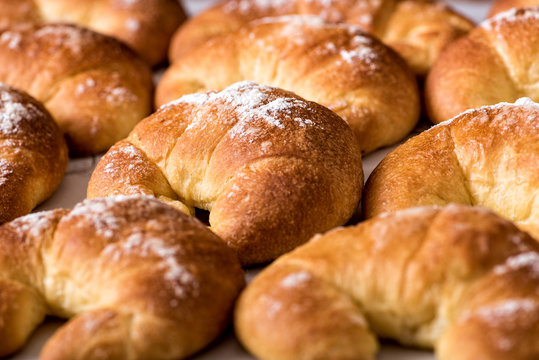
{"points": [[33, 154], [418, 276], [140, 280], [499, 6], [487, 157], [493, 63], [145, 25], [417, 29], [272, 168], [338, 66], [95, 88]]}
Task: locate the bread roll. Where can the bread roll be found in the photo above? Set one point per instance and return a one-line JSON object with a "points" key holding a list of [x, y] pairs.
{"points": [[145, 25], [95, 87], [487, 157], [495, 62], [417, 29], [33, 154], [338, 66], [459, 279], [271, 168], [499, 6], [139, 280]]}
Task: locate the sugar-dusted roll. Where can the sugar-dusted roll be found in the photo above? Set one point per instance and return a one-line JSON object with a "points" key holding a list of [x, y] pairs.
{"points": [[137, 279], [145, 25], [94, 86], [459, 279], [417, 29], [271, 168], [487, 157], [336, 65], [33, 153], [499, 6], [496, 62]]}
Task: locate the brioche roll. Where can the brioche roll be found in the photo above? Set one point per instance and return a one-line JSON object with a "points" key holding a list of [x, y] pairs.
{"points": [[95, 87], [338, 66], [417, 29], [33, 154], [496, 62], [145, 25], [487, 157], [137, 278], [271, 168], [459, 279]]}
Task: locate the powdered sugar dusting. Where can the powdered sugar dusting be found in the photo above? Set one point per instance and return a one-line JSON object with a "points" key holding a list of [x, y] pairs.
{"points": [[247, 6], [141, 245], [128, 3], [83, 86], [119, 95], [501, 314], [114, 93], [34, 225], [13, 111], [251, 102], [481, 114], [126, 160], [103, 216], [6, 171], [132, 24], [361, 51], [295, 279], [526, 101], [12, 38], [497, 312], [70, 37], [510, 16], [272, 305], [528, 260], [295, 21], [100, 213]]}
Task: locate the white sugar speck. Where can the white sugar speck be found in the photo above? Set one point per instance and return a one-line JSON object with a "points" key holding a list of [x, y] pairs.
{"points": [[12, 38], [528, 260], [132, 24], [295, 279]]}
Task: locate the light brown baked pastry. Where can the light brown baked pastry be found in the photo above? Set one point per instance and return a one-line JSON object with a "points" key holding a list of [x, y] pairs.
{"points": [[338, 66], [95, 87], [495, 62], [459, 279], [499, 6], [139, 280], [145, 25], [33, 154], [271, 168], [417, 29], [487, 157]]}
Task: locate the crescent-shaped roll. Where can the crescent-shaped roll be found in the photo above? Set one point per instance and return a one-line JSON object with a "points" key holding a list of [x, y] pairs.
{"points": [[496, 62], [271, 168], [33, 154], [487, 157], [336, 65], [499, 6], [137, 278], [94, 86], [417, 29], [459, 279], [145, 25]]}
